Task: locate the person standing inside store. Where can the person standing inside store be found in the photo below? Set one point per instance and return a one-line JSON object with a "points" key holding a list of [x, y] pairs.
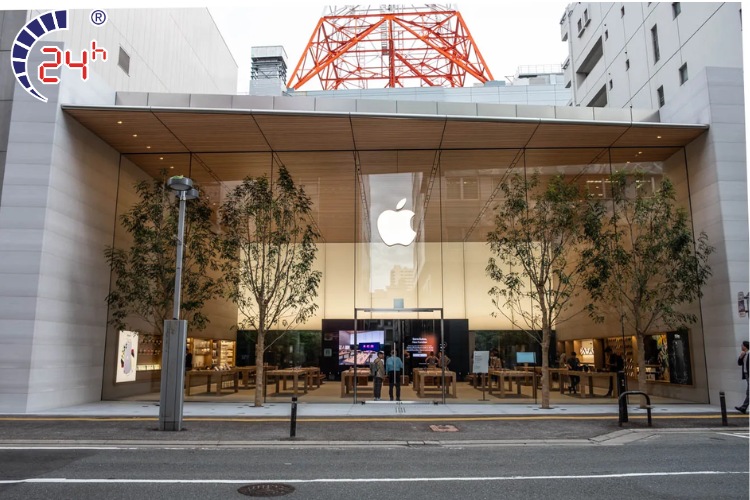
{"points": [[188, 360], [614, 364], [394, 367], [431, 360], [743, 361], [378, 374], [574, 365]]}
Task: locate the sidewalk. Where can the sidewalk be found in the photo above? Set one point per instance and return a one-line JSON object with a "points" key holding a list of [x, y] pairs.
{"points": [[126, 409], [239, 425]]}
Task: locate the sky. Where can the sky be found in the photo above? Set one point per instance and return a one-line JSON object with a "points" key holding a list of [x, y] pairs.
{"points": [[508, 34]]}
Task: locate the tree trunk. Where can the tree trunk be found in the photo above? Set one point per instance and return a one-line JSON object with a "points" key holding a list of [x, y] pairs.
{"points": [[545, 368], [260, 347]]}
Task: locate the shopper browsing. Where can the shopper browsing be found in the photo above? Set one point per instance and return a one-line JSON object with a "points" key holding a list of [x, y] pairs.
{"points": [[394, 367]]}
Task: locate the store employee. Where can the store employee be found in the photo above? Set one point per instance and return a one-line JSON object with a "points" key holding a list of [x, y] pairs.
{"points": [[394, 367]]}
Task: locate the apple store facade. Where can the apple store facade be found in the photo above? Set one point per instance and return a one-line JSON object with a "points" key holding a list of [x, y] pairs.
{"points": [[403, 203]]}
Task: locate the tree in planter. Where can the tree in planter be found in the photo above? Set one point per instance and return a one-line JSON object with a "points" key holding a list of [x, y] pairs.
{"points": [[144, 274], [269, 250], [538, 259], [645, 261]]}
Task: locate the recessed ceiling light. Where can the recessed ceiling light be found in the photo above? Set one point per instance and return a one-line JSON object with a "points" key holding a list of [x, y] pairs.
{"points": [[658, 137], [171, 166], [161, 157], [148, 147], [627, 162], [119, 122], [640, 152], [135, 135]]}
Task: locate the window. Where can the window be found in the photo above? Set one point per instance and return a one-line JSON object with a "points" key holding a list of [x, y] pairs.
{"points": [[462, 188], [586, 19], [580, 27], [660, 94], [676, 9], [606, 34], [610, 85], [627, 64], [123, 61], [683, 74], [622, 11], [655, 41]]}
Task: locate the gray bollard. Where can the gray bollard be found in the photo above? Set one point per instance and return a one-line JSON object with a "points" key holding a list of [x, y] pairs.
{"points": [[293, 430], [723, 402]]}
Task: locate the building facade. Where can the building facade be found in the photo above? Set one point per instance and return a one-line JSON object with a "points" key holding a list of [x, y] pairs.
{"points": [[71, 164], [684, 59]]}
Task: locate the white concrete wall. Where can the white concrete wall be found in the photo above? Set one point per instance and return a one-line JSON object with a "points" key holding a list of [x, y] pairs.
{"points": [[171, 50], [703, 34], [717, 169], [57, 213]]}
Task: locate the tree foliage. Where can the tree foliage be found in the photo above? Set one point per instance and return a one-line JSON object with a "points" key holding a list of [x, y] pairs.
{"points": [[268, 253], [144, 273], [646, 263], [538, 263]]}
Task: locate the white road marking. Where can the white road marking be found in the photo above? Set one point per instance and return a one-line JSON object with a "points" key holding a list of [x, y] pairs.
{"points": [[744, 435], [49, 480]]}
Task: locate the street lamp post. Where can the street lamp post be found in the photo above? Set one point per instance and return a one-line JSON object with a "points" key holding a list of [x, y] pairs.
{"points": [[175, 330]]}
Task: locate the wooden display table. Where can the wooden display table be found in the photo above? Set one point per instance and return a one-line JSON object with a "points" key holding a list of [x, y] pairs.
{"points": [[587, 381], [421, 374], [295, 374], [512, 375], [347, 381], [220, 376]]}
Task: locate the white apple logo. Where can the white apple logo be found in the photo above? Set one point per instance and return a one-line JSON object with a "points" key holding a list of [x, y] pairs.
{"points": [[395, 226]]}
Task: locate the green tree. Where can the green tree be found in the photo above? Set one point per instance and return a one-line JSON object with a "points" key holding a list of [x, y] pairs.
{"points": [[269, 250], [645, 262], [144, 273], [538, 261]]}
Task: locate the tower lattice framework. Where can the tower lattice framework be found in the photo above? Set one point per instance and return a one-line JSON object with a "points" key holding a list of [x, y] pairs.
{"points": [[357, 47]]}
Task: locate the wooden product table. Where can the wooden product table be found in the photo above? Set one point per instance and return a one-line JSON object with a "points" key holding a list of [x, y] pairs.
{"points": [[313, 376], [221, 376], [295, 374], [587, 379], [347, 381], [420, 374], [248, 372], [510, 376]]}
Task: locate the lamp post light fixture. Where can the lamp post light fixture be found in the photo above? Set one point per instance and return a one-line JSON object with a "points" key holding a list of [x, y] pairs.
{"points": [[175, 330]]}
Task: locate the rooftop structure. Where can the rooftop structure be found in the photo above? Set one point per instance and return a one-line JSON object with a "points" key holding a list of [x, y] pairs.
{"points": [[390, 46]]}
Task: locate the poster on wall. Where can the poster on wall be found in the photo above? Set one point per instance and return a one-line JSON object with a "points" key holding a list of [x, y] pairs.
{"points": [[127, 356]]}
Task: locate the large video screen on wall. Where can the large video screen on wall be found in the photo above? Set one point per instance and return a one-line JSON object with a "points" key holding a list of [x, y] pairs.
{"points": [[368, 345]]}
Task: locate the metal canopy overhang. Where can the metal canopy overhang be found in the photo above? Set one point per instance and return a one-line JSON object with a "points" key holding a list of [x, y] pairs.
{"points": [[218, 146], [183, 130]]}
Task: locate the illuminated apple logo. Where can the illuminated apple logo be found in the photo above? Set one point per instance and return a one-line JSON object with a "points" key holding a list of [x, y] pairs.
{"points": [[394, 226]]}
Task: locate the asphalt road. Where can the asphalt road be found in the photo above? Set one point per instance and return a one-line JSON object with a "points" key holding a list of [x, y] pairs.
{"points": [[661, 463]]}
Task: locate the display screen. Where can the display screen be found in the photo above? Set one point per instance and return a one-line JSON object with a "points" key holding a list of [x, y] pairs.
{"points": [[368, 343], [525, 357]]}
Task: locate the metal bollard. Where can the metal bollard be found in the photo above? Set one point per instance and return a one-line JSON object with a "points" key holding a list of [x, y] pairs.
{"points": [[623, 402], [723, 402], [293, 430]]}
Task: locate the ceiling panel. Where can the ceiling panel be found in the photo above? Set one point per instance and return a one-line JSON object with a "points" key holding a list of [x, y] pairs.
{"points": [[658, 135], [396, 133], [129, 131], [215, 131], [562, 135], [463, 134], [306, 132]]}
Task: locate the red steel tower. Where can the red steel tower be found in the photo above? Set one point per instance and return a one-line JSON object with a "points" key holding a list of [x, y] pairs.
{"points": [[361, 47]]}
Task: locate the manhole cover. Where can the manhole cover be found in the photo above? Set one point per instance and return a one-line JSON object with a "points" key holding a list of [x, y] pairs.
{"points": [[444, 428], [266, 490]]}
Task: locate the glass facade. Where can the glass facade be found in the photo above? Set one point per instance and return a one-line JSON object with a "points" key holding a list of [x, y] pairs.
{"points": [[403, 229]]}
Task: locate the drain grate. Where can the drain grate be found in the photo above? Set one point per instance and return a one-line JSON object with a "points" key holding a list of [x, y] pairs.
{"points": [[266, 490], [444, 428]]}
